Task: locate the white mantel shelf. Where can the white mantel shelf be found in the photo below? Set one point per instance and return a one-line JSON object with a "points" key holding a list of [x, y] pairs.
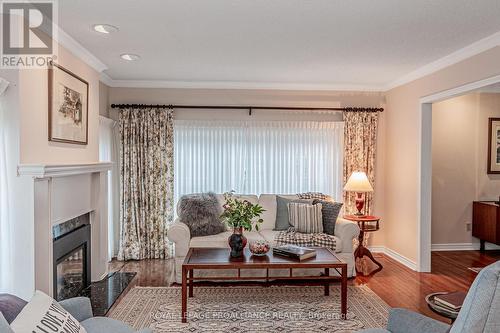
{"points": [[61, 170]]}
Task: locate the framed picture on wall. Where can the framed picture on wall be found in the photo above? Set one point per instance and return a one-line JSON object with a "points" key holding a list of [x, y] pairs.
{"points": [[494, 146], [68, 106]]}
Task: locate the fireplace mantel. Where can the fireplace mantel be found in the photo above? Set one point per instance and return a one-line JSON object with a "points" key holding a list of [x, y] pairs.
{"points": [[61, 170], [58, 193]]}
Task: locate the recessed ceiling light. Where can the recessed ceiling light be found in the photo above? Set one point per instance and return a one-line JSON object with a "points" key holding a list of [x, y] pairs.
{"points": [[130, 57], [104, 28]]}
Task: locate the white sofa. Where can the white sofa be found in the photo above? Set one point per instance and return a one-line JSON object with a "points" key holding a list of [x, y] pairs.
{"points": [[345, 233]]}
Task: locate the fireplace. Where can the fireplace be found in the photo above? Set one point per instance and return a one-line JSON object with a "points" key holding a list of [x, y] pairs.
{"points": [[71, 251]]}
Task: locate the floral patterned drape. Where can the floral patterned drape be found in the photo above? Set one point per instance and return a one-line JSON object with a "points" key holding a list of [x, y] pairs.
{"points": [[146, 182], [360, 142]]}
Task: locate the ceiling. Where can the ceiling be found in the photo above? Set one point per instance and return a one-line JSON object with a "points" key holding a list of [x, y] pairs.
{"points": [[358, 43]]}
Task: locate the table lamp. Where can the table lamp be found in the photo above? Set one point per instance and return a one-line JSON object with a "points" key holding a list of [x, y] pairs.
{"points": [[359, 183]]}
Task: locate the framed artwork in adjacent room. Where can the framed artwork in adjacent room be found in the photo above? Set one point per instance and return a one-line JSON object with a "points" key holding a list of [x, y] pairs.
{"points": [[68, 106], [494, 146]]}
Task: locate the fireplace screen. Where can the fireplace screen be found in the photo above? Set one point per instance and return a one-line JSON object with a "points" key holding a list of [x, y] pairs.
{"points": [[71, 275]]}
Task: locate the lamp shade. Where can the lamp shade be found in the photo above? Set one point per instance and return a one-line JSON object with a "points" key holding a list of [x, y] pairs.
{"points": [[358, 182]]}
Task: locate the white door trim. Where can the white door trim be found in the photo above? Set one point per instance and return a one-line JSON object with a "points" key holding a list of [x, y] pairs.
{"points": [[425, 166]]}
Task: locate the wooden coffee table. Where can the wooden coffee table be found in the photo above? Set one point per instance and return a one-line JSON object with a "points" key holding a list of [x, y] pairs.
{"points": [[218, 258]]}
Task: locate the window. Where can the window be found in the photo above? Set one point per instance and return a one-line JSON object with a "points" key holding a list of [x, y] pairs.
{"points": [[255, 157], [108, 152]]}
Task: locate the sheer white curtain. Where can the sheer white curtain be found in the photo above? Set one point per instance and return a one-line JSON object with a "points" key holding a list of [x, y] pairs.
{"points": [[256, 157], [108, 152], [5, 246], [208, 156], [294, 157]]}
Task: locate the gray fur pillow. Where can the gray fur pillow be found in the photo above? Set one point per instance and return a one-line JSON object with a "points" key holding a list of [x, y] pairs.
{"points": [[201, 213]]}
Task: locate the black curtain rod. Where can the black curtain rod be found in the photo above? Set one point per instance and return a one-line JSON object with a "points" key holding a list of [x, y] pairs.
{"points": [[239, 107]]}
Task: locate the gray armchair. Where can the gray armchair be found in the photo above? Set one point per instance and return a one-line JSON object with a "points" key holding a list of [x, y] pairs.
{"points": [[480, 311], [78, 307]]}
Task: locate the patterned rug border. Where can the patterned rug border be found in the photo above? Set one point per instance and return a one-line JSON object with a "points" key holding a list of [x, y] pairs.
{"points": [[148, 307], [360, 286]]}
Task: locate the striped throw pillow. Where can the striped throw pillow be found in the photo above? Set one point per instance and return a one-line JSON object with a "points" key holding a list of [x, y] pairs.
{"points": [[306, 218]]}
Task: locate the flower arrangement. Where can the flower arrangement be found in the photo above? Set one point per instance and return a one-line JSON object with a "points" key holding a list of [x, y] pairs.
{"points": [[238, 214]]}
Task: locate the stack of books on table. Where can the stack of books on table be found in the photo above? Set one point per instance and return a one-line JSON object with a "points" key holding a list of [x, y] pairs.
{"points": [[294, 252], [451, 301]]}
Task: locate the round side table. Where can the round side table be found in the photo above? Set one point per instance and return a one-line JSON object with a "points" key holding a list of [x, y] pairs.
{"points": [[366, 223]]}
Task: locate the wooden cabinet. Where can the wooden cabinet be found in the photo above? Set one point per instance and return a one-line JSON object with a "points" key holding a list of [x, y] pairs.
{"points": [[486, 222]]}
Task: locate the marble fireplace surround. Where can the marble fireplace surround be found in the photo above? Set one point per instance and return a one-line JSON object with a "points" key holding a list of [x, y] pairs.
{"points": [[60, 193]]}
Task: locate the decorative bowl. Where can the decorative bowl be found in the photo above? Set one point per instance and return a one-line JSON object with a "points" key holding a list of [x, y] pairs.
{"points": [[259, 248]]}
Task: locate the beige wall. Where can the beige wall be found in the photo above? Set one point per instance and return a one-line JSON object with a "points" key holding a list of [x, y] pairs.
{"points": [[488, 185], [401, 184], [459, 150], [454, 167], [266, 98], [244, 97], [33, 89]]}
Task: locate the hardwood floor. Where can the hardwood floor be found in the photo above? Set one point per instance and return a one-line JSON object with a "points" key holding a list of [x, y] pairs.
{"points": [[399, 286], [396, 284]]}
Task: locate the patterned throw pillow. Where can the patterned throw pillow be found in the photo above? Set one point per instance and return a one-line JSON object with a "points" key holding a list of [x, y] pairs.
{"points": [[306, 218], [330, 212], [282, 216], [44, 314]]}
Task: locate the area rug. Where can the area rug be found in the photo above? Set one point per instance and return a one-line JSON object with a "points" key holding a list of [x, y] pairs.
{"points": [[252, 309]]}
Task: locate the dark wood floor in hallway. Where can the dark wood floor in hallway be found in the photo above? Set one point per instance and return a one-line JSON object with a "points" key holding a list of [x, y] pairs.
{"points": [[396, 284], [399, 286]]}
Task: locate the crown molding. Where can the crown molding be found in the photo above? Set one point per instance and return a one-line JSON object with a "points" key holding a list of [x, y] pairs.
{"points": [[78, 50], [104, 78], [491, 90], [239, 85], [69, 43], [446, 61], [61, 170], [473, 86]]}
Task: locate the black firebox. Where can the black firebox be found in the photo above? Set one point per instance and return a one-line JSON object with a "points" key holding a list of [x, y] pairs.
{"points": [[71, 250]]}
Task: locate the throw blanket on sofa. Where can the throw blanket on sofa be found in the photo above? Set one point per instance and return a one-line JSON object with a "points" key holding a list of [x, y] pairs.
{"points": [[290, 236], [314, 195]]}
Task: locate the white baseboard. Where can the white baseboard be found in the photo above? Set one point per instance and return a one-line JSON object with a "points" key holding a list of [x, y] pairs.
{"points": [[377, 249], [394, 255], [435, 247], [462, 247]]}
